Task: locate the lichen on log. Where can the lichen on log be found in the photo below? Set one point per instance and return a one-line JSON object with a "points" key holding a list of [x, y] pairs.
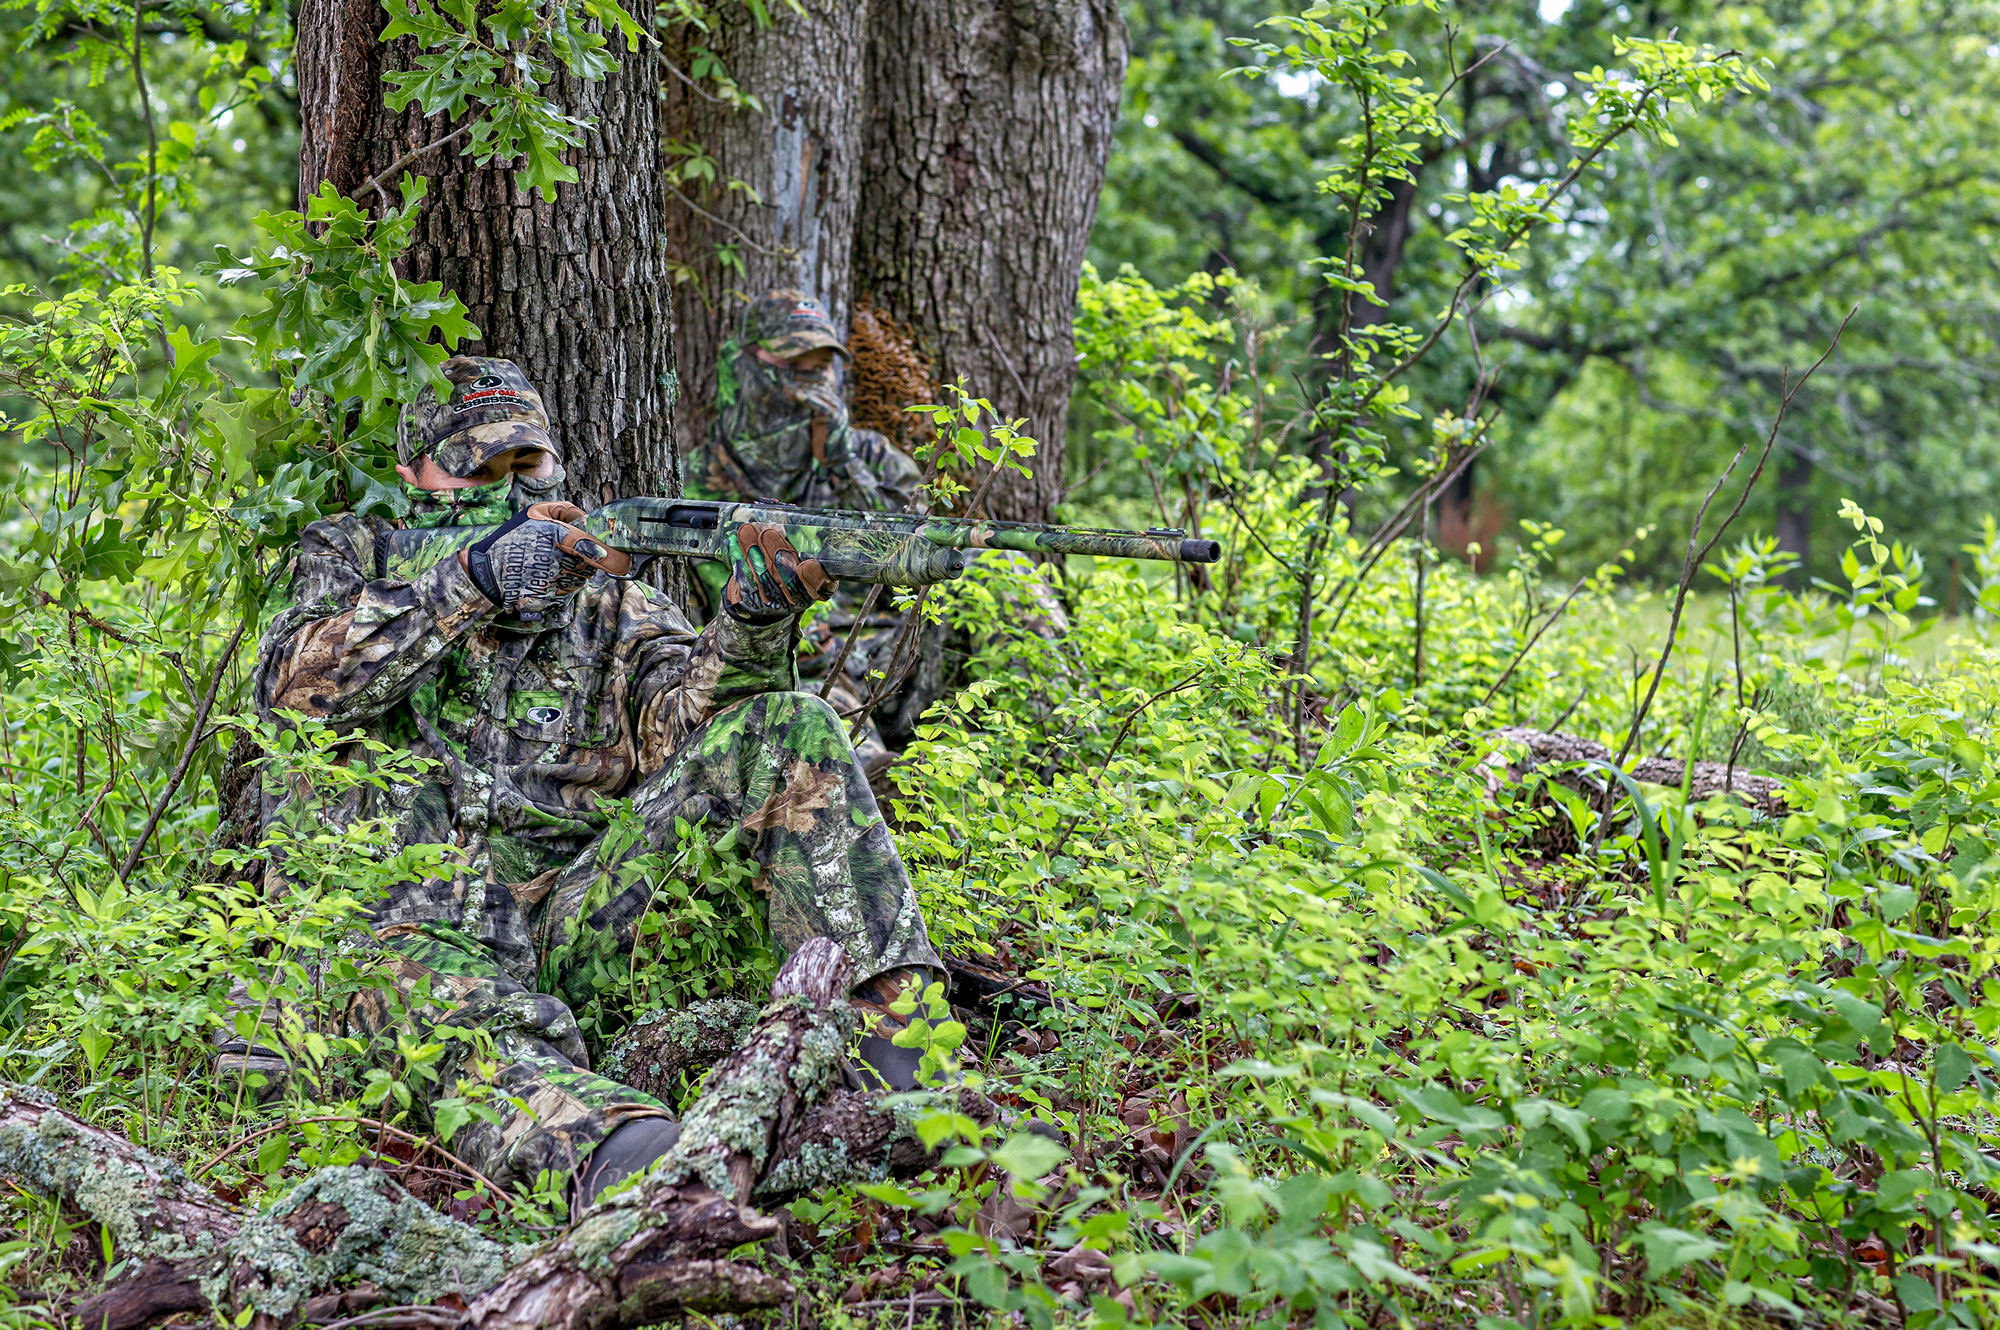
{"points": [[1763, 793], [343, 1226], [661, 1048], [852, 1137], [772, 1122], [626, 1261], [147, 1204]]}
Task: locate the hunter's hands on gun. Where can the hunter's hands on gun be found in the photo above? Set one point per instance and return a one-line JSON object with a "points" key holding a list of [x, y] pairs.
{"points": [[780, 555], [541, 557]]}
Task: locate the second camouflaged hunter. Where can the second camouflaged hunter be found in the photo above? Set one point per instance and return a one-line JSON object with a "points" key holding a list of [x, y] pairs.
{"points": [[893, 549]]}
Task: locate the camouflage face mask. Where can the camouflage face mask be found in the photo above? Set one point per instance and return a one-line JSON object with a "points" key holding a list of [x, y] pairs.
{"points": [[485, 505], [776, 395]]}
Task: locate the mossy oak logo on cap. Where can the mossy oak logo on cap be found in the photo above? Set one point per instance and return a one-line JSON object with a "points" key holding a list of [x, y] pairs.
{"points": [[489, 390]]}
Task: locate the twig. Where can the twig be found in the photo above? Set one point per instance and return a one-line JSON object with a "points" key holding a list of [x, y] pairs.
{"points": [[381, 1127], [1012, 373], [1119, 738], [394, 1318], [1394, 528], [1529, 645], [730, 227], [1505, 246], [152, 142], [854, 632], [1691, 563], [374, 182], [187, 752], [1228, 493], [46, 599], [1570, 710], [674, 69]]}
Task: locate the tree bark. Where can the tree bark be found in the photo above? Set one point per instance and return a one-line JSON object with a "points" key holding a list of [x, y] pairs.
{"points": [[147, 1202], [988, 126], [578, 291], [799, 154]]}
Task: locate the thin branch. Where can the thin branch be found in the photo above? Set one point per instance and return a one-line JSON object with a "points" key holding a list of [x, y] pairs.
{"points": [[730, 227], [1396, 526], [46, 599], [1692, 562], [152, 142], [694, 87], [424, 1142], [1012, 373], [1479, 272], [1529, 645], [1211, 156], [397, 1318], [853, 632], [1460, 75], [1119, 738], [194, 738], [388, 172]]}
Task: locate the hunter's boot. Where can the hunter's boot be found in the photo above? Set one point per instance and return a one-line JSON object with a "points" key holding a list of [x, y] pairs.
{"points": [[632, 1147], [882, 1065], [261, 1073]]}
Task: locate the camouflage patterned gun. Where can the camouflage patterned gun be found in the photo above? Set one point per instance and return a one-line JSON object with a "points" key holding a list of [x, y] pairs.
{"points": [[894, 549]]}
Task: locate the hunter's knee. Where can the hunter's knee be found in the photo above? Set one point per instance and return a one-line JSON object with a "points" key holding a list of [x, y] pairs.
{"points": [[806, 721]]}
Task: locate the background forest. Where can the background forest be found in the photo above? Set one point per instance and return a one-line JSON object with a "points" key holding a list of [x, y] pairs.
{"points": [[1543, 876]]}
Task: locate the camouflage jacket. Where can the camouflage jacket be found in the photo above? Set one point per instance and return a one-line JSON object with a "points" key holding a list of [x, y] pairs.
{"points": [[532, 725], [786, 436]]}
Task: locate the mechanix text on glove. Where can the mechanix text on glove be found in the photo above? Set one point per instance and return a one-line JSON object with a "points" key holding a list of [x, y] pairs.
{"points": [[523, 568]]}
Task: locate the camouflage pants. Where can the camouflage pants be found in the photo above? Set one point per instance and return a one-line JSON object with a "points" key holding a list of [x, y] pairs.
{"points": [[778, 774]]}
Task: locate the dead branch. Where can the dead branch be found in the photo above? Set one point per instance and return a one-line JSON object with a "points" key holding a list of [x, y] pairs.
{"points": [[1763, 793]]}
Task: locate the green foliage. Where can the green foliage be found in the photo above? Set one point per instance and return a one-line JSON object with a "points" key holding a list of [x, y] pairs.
{"points": [[1358, 1015], [1646, 334], [702, 934], [338, 319], [1717, 1062], [497, 63]]}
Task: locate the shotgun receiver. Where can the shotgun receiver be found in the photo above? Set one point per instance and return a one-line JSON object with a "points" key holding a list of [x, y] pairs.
{"points": [[893, 549]]}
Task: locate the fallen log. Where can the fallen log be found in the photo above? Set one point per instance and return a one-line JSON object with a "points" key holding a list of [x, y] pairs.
{"points": [[661, 1049], [618, 1265], [148, 1204], [1709, 778], [775, 1121]]}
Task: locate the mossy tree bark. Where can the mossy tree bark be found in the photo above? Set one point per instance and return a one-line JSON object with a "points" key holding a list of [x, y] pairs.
{"points": [[988, 128], [577, 291]]}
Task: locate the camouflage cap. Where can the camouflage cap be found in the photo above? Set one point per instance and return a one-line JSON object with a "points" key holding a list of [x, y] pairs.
{"points": [[493, 410], [790, 323]]}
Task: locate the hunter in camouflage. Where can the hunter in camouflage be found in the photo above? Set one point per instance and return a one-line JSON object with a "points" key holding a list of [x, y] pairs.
{"points": [[782, 431], [542, 692]]}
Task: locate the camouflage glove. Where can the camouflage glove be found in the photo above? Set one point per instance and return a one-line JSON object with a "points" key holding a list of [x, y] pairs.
{"points": [[767, 579], [523, 569]]}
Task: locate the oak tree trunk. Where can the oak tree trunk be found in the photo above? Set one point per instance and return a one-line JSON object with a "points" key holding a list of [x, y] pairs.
{"points": [[793, 226], [576, 291], [988, 124]]}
